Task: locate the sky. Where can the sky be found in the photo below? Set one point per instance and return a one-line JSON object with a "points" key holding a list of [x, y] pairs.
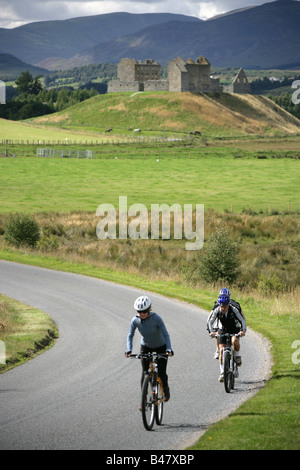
{"points": [[14, 13]]}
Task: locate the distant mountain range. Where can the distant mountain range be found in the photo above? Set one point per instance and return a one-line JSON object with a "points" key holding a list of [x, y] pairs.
{"points": [[266, 36], [35, 42]]}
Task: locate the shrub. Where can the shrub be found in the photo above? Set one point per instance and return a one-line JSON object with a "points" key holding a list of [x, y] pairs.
{"points": [[22, 230], [219, 260], [270, 285], [47, 243]]}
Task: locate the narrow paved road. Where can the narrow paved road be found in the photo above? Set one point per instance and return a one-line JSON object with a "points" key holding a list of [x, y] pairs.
{"points": [[83, 393]]}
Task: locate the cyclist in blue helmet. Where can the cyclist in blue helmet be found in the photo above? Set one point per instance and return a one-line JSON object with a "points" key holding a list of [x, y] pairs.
{"points": [[224, 291], [230, 320], [234, 303]]}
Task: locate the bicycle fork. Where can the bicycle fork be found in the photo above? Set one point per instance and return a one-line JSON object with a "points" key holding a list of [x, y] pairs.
{"points": [[155, 380]]}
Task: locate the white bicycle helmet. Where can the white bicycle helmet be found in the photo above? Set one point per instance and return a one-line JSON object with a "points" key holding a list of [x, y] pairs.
{"points": [[142, 303]]}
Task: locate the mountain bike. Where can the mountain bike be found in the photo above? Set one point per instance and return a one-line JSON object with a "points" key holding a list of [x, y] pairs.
{"points": [[152, 404], [230, 366]]}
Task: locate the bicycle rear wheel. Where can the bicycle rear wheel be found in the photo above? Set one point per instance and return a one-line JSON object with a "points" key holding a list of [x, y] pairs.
{"points": [[159, 406], [148, 403], [227, 373]]}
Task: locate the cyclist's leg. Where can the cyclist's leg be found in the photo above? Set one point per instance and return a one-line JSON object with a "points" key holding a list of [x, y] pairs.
{"points": [[216, 328], [236, 344], [162, 371], [236, 348], [144, 362], [222, 344], [217, 353]]}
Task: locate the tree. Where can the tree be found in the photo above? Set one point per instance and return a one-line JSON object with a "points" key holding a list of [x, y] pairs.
{"points": [[28, 85], [219, 260]]}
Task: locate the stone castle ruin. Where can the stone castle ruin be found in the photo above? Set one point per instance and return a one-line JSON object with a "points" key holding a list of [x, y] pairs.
{"points": [[239, 84], [193, 76], [135, 75]]}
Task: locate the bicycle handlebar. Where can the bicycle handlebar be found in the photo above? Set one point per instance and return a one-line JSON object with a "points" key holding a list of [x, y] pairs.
{"points": [[237, 335], [149, 355]]}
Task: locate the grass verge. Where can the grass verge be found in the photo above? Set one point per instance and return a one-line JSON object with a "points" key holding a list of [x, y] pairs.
{"points": [[270, 420], [24, 333]]}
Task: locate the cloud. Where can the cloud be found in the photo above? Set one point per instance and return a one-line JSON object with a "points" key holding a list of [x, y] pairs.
{"points": [[208, 8], [17, 12]]}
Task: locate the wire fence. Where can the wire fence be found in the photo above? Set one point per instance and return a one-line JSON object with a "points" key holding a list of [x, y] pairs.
{"points": [[63, 153], [94, 142]]}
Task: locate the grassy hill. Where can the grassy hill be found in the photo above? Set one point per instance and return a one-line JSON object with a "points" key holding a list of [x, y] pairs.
{"points": [[213, 115]]}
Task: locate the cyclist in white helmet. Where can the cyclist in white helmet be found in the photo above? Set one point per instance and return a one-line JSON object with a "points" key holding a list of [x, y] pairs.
{"points": [[154, 338]]}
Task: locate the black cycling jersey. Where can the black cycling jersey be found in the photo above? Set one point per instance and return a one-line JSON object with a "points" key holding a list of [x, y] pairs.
{"points": [[231, 322]]}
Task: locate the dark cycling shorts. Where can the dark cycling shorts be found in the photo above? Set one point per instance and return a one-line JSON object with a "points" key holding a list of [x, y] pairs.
{"points": [[222, 339]]}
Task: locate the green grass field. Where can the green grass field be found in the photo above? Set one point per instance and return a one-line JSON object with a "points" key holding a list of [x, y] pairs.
{"points": [[22, 131], [217, 180]]}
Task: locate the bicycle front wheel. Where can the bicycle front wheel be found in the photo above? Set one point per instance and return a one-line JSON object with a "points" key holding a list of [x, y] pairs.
{"points": [[148, 403], [232, 381], [227, 372], [159, 406]]}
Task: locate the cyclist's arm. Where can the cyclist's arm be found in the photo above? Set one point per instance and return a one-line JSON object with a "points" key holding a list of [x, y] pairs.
{"points": [[130, 336], [208, 319], [212, 318], [243, 323], [165, 334], [241, 319], [242, 313]]}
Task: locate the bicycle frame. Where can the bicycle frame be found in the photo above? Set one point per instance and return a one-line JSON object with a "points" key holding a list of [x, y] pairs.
{"points": [[229, 349], [155, 405], [229, 362]]}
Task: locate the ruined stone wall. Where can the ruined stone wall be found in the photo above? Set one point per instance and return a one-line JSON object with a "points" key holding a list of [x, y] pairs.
{"points": [[156, 85], [215, 85], [150, 70], [130, 70], [199, 77], [134, 75], [240, 83], [178, 80], [118, 86], [191, 76], [126, 70]]}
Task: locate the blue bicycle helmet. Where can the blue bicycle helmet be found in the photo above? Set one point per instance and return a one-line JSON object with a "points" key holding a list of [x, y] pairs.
{"points": [[223, 300], [225, 291]]}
